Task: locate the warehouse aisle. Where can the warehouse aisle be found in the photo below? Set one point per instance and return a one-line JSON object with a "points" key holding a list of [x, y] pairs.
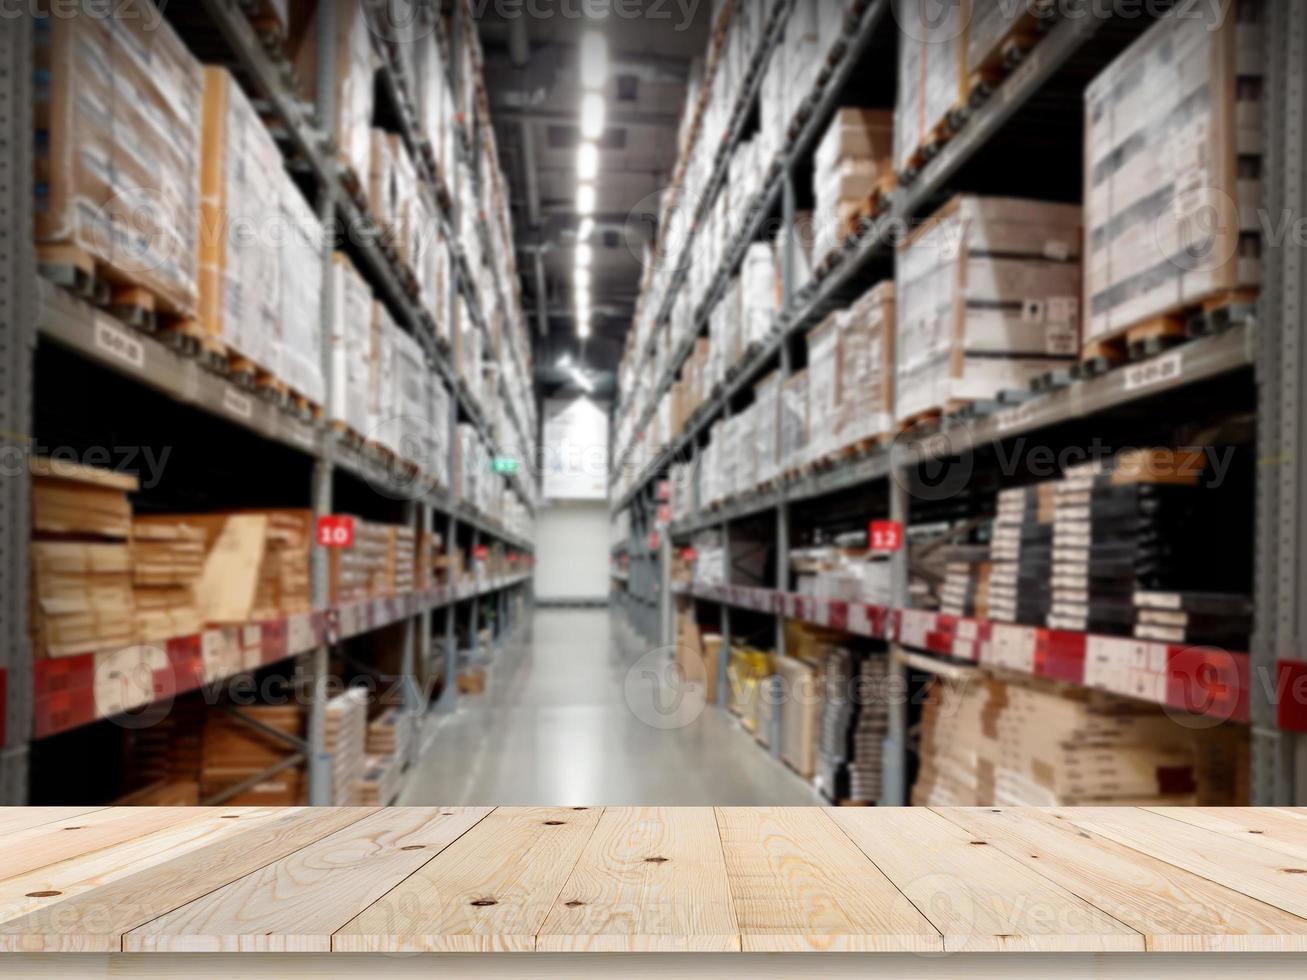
{"points": [[555, 727]]}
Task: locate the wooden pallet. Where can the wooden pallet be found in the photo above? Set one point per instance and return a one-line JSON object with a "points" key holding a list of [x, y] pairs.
{"points": [[109, 288], [346, 434], [1160, 333], [1016, 44], [935, 140]]}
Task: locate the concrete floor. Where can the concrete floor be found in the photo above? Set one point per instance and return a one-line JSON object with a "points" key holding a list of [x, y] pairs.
{"points": [[579, 713]]}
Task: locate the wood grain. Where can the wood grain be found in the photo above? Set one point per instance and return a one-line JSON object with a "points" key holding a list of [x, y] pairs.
{"points": [[95, 921], [48, 843], [799, 884], [17, 818], [1174, 909], [1256, 871], [977, 897], [490, 891], [49, 885], [651, 879], [297, 902], [1265, 826]]}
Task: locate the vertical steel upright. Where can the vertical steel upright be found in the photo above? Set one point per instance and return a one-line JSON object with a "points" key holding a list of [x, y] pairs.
{"points": [[894, 756], [1279, 763], [17, 349], [724, 655], [316, 668], [448, 700]]}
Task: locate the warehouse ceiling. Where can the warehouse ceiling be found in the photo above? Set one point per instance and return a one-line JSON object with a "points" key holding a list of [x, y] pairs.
{"points": [[533, 74]]}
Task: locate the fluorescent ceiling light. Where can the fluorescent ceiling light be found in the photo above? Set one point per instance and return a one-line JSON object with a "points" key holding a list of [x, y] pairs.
{"points": [[586, 384], [582, 279], [583, 328], [587, 161], [584, 256], [594, 60], [585, 199], [585, 229], [565, 362], [593, 113]]}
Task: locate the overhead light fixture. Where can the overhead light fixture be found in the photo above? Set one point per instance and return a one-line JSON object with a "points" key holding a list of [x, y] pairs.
{"points": [[585, 199], [585, 229], [582, 279], [587, 161], [583, 327], [586, 384], [594, 60], [593, 113], [584, 256], [565, 362]]}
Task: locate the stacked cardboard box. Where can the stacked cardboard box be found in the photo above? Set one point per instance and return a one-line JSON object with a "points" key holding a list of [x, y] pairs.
{"points": [[1028, 744], [965, 589], [1021, 553], [391, 734], [299, 362], [854, 725], [932, 73], [354, 68], [759, 294], [986, 300], [345, 739], [851, 574], [866, 368], [239, 272], [801, 709], [403, 559], [234, 752], [81, 560], [824, 385], [766, 423], [167, 560], [351, 347], [746, 671], [118, 111], [365, 570], [852, 162], [383, 425], [380, 782], [792, 427], [1172, 162]]}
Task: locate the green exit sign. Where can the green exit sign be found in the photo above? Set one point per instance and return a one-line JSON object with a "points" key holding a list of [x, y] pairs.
{"points": [[506, 466]]}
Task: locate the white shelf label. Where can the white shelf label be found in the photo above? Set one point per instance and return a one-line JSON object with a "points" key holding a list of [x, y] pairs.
{"points": [[859, 621], [299, 633], [1156, 371], [237, 404], [119, 344], [914, 624]]}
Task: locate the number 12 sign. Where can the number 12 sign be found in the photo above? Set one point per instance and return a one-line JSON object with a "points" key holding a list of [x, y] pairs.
{"points": [[885, 536], [336, 532]]}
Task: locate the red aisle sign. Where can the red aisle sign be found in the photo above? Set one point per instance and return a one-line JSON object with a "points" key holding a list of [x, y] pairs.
{"points": [[336, 532], [885, 536], [653, 540], [481, 552]]}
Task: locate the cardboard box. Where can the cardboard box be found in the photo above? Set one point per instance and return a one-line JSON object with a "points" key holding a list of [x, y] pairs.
{"points": [[1172, 142], [932, 72], [866, 367], [986, 297]]}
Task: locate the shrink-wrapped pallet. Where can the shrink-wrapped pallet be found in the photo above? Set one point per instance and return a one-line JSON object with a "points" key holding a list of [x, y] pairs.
{"points": [[758, 293], [792, 451], [932, 72], [986, 300], [824, 356], [853, 161], [240, 299], [300, 265], [1173, 142], [866, 374], [384, 424], [766, 394], [351, 346], [412, 404], [353, 71], [118, 113]]}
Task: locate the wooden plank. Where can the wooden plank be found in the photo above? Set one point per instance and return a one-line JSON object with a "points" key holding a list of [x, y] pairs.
{"points": [[18, 818], [95, 921], [26, 893], [799, 884], [60, 469], [1175, 910], [296, 903], [651, 879], [45, 844], [489, 891], [226, 588], [1256, 871], [1265, 826], [976, 896]]}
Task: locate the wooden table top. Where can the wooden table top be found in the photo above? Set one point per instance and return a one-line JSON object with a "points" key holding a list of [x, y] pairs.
{"points": [[650, 879]]}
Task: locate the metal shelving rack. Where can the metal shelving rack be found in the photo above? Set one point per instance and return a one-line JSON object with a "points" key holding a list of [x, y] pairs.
{"points": [[1272, 346], [31, 307]]}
